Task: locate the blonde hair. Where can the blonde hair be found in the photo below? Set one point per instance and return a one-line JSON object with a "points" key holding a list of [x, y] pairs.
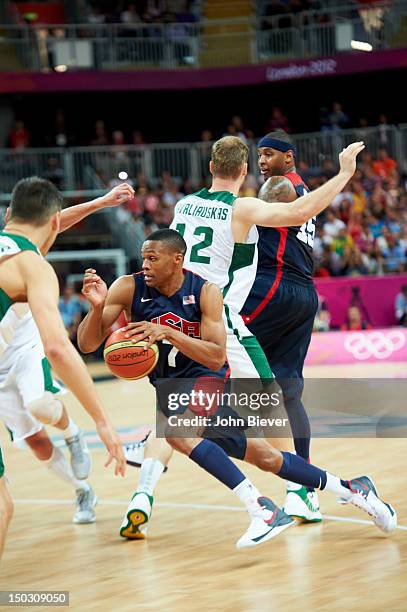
{"points": [[228, 156]]}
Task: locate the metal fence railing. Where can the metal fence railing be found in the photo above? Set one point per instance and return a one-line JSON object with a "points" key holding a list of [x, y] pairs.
{"points": [[171, 45], [92, 168]]}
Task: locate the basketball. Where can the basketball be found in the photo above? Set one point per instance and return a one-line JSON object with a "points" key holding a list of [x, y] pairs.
{"points": [[129, 360]]}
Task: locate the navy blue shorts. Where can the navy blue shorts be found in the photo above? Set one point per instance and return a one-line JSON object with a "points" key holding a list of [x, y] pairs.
{"points": [[284, 327], [234, 446]]}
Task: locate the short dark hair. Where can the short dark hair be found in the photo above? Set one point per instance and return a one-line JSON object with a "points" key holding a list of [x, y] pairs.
{"points": [[34, 200], [280, 135], [172, 238]]}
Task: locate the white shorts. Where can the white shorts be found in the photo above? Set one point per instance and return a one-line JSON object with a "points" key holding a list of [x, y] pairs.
{"points": [[245, 356], [21, 383]]}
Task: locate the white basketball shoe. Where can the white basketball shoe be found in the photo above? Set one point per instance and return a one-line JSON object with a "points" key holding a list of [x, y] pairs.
{"points": [[301, 504], [268, 523]]}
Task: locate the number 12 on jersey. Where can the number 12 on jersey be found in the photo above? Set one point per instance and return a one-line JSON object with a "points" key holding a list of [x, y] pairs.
{"points": [[207, 233]]}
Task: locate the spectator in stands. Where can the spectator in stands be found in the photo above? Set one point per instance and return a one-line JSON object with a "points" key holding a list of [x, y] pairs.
{"points": [[371, 259], [354, 320], [384, 166], [337, 118], [325, 126], [322, 318], [382, 240], [342, 243], [329, 264], [384, 130], [332, 226], [60, 136], [71, 310], [241, 131], [352, 263], [138, 138], [359, 198], [392, 220], [100, 134], [96, 15], [362, 131], [375, 225], [278, 121], [394, 256], [130, 14], [54, 172], [354, 225], [400, 306], [155, 9], [328, 169], [19, 137]]}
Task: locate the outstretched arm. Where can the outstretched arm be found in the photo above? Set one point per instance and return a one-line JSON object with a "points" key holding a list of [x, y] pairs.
{"points": [[72, 215], [253, 211]]}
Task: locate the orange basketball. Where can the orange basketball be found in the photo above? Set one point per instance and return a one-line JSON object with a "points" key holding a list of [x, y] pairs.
{"points": [[129, 360]]}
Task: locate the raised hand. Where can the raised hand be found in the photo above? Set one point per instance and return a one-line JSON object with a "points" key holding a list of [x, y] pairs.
{"points": [[347, 158], [94, 288], [118, 195]]}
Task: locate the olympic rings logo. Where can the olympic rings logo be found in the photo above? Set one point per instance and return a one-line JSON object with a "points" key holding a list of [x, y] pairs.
{"points": [[374, 344]]}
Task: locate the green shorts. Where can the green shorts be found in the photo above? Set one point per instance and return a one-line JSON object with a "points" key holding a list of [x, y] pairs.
{"points": [[1, 464]]}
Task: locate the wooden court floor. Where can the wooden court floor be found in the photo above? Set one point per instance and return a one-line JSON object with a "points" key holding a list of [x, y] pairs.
{"points": [[189, 561]]}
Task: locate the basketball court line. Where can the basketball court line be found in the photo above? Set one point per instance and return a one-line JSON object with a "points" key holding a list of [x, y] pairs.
{"points": [[124, 503]]}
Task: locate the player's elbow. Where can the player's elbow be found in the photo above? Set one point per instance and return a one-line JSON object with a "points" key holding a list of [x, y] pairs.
{"points": [[301, 216], [85, 346], [218, 359], [85, 342]]}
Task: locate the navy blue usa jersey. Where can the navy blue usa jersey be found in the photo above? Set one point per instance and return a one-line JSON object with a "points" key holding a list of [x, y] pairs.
{"points": [[181, 311], [285, 253]]}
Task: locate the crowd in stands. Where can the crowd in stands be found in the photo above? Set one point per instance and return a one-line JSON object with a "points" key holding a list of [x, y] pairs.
{"points": [[130, 12], [363, 232], [365, 229], [61, 132]]}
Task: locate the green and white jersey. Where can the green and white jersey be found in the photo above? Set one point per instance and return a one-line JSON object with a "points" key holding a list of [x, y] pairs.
{"points": [[204, 219], [17, 326]]}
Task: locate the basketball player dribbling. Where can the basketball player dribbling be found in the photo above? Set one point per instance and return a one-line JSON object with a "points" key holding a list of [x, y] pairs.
{"points": [[163, 295], [221, 234]]}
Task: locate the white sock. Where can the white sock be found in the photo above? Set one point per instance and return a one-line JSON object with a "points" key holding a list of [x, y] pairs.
{"points": [[71, 430], [58, 464], [151, 470], [248, 495], [334, 485], [293, 486]]}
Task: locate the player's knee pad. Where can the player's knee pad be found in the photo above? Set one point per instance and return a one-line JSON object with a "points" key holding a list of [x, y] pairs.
{"points": [[47, 409]]}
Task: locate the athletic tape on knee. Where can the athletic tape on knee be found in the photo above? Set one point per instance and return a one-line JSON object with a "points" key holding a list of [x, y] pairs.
{"points": [[47, 409]]}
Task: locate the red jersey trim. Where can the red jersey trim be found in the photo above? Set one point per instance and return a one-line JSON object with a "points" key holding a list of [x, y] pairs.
{"points": [[280, 254]]}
